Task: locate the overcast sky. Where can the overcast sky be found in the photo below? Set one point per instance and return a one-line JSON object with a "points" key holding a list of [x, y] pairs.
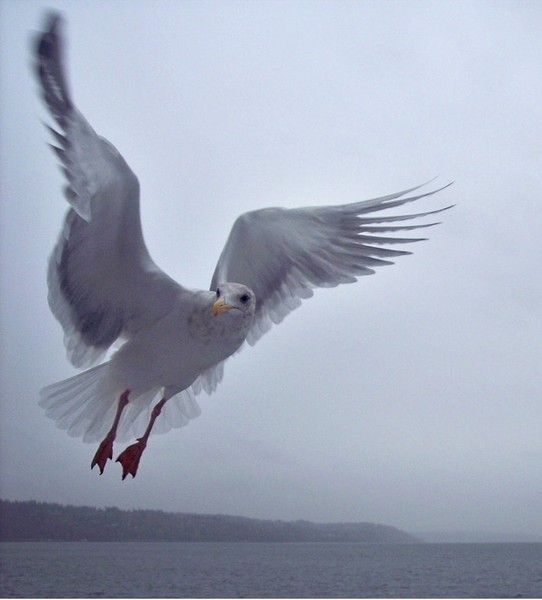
{"points": [[412, 397]]}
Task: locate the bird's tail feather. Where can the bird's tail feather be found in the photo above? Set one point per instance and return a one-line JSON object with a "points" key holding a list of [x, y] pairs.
{"points": [[85, 406], [82, 404]]}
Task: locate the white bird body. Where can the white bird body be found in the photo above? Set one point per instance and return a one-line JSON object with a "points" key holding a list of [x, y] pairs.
{"points": [[166, 356], [104, 287], [151, 358]]}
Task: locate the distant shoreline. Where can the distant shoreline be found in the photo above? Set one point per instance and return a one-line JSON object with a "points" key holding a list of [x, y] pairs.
{"points": [[40, 521], [32, 521]]}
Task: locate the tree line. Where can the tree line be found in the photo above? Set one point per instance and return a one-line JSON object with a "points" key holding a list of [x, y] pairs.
{"points": [[40, 521]]}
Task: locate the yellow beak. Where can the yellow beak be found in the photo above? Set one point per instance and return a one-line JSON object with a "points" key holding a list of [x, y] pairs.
{"points": [[220, 306]]}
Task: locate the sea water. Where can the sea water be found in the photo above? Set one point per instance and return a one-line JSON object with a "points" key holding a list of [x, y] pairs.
{"points": [[278, 570]]}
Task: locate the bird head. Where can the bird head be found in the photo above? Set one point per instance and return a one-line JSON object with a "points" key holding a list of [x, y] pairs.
{"points": [[234, 298]]}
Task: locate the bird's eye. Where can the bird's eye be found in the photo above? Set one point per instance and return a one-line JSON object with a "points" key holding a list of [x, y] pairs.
{"points": [[244, 298], [217, 292]]}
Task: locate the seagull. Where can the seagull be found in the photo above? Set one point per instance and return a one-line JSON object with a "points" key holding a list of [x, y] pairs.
{"points": [[170, 342]]}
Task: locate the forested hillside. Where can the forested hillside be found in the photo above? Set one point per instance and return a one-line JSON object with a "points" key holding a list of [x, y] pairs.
{"points": [[32, 521]]}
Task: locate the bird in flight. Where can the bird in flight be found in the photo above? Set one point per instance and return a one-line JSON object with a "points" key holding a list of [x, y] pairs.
{"points": [[105, 289]]}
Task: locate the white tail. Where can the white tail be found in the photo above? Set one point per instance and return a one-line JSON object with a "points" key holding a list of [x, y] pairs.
{"points": [[85, 406]]}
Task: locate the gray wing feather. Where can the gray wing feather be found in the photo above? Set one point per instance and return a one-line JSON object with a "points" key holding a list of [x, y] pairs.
{"points": [[283, 254], [102, 281]]}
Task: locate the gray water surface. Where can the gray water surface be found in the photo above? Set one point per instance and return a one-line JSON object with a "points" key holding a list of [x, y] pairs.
{"points": [[237, 570]]}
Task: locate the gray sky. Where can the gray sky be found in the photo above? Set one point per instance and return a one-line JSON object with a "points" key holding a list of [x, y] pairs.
{"points": [[411, 398]]}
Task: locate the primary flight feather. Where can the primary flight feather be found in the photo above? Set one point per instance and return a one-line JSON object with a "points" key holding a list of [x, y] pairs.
{"points": [[104, 286]]}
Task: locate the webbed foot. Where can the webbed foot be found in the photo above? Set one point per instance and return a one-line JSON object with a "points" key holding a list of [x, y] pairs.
{"points": [[103, 454], [129, 459]]}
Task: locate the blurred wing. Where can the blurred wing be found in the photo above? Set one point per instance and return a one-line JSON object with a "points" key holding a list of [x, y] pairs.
{"points": [[283, 254], [102, 281]]}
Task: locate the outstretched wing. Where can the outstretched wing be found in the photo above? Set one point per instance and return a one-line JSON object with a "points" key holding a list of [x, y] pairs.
{"points": [[283, 254], [102, 280]]}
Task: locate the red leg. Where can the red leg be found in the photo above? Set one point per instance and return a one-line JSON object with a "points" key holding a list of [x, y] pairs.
{"points": [[105, 450], [129, 459]]}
